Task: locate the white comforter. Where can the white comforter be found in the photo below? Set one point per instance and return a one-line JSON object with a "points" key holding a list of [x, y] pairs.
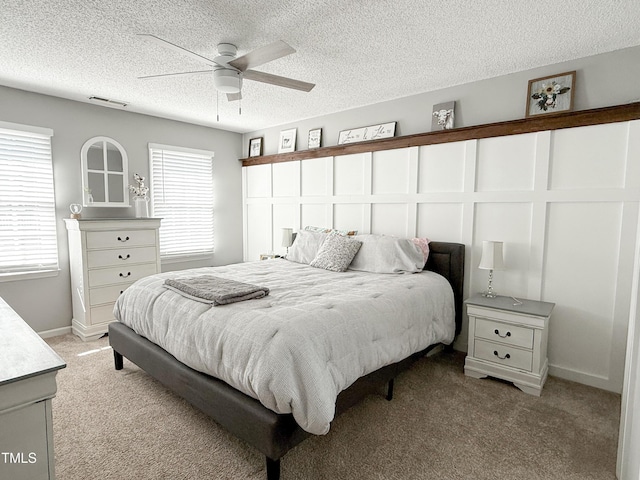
{"points": [[309, 339]]}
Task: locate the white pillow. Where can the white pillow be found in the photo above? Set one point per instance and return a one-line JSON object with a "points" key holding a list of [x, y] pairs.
{"points": [[336, 253], [386, 254], [305, 247]]}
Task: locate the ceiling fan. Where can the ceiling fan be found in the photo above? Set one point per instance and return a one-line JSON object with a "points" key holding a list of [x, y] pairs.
{"points": [[229, 70]]}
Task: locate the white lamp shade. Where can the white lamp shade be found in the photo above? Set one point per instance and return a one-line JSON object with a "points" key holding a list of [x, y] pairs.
{"points": [[492, 258], [287, 237]]}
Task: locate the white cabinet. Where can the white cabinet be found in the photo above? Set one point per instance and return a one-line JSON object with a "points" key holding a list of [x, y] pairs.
{"points": [[508, 340], [28, 368], [106, 256]]}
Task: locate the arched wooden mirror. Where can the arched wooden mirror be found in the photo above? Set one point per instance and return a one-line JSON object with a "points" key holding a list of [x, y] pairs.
{"points": [[104, 173]]}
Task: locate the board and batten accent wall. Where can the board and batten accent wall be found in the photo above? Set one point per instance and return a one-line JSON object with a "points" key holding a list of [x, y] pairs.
{"points": [[564, 202]]}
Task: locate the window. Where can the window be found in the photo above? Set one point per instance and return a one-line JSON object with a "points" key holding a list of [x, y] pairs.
{"points": [[28, 240], [182, 196]]}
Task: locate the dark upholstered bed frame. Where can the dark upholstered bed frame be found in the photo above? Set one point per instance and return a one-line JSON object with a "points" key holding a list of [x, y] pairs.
{"points": [[271, 433]]}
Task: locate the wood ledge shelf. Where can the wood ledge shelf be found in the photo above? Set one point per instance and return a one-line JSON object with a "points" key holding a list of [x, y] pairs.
{"points": [[582, 118]]}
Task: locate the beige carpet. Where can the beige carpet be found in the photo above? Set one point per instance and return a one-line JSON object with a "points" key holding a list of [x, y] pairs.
{"points": [[440, 425]]}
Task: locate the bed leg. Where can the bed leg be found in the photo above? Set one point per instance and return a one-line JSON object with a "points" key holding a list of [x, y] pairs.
{"points": [[390, 390], [117, 360], [273, 469]]}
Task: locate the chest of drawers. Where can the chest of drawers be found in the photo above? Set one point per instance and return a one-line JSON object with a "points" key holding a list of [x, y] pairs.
{"points": [[508, 340], [106, 256]]}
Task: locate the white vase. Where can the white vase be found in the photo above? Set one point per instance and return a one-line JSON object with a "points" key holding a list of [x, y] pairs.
{"points": [[141, 204]]}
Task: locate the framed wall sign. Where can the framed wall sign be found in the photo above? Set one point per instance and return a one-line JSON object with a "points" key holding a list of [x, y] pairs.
{"points": [[255, 147], [552, 94], [287, 141], [362, 134], [315, 138]]}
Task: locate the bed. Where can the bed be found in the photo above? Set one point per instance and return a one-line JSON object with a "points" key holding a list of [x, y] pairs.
{"points": [[239, 404]]}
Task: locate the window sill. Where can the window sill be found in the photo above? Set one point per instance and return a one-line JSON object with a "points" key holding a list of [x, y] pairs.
{"points": [[15, 276], [195, 257]]}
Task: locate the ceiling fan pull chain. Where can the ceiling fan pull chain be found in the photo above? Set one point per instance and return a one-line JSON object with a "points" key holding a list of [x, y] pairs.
{"points": [[217, 106], [240, 107]]}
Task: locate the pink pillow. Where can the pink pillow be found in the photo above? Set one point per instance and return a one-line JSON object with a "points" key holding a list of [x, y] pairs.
{"points": [[423, 243]]}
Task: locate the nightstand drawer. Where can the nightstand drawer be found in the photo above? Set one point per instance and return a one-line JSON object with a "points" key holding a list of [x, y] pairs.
{"points": [[504, 355], [504, 333], [120, 238], [120, 256]]}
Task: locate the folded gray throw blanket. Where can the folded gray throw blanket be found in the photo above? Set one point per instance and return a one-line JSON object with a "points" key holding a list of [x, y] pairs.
{"points": [[215, 290]]}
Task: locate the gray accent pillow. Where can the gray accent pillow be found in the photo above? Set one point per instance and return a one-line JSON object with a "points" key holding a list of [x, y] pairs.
{"points": [[306, 246], [336, 253]]}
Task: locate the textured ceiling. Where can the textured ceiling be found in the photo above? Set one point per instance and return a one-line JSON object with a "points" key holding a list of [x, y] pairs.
{"points": [[356, 52]]}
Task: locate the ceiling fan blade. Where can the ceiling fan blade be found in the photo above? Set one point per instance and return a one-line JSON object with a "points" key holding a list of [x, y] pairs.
{"points": [[176, 48], [234, 97], [278, 80], [262, 55], [176, 74]]}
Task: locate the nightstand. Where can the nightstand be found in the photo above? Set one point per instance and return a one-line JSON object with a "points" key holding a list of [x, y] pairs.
{"points": [[508, 341]]}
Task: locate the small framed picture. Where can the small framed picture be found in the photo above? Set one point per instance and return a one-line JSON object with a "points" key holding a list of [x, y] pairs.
{"points": [[315, 137], [287, 141], [255, 147], [552, 94], [443, 116]]}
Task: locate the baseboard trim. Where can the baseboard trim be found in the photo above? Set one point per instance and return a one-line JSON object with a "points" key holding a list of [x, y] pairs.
{"points": [[55, 332], [589, 379]]}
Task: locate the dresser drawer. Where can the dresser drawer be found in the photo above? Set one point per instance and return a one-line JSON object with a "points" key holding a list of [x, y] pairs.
{"points": [[120, 256], [102, 314], [120, 238], [108, 294], [503, 355], [504, 333], [124, 274]]}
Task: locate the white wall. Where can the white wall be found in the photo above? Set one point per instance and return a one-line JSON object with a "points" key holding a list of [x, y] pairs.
{"points": [[46, 303], [565, 203], [628, 465]]}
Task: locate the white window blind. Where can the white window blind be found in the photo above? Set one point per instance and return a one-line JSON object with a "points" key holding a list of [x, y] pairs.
{"points": [[182, 195], [28, 240]]}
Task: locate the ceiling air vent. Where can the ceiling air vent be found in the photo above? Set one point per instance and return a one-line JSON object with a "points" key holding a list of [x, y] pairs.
{"points": [[108, 102]]}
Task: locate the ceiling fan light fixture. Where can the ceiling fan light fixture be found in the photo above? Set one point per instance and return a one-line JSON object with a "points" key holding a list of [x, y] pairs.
{"points": [[227, 80]]}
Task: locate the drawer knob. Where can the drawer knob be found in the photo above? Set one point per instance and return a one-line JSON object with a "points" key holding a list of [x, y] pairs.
{"points": [[125, 276], [129, 256], [125, 239], [497, 332], [495, 352]]}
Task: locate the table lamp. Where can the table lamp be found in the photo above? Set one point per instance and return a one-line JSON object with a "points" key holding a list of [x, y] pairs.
{"points": [[287, 238], [491, 260]]}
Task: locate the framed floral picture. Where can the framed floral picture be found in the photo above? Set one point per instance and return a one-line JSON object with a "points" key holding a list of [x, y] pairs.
{"points": [[287, 141], [315, 137], [552, 94], [255, 147]]}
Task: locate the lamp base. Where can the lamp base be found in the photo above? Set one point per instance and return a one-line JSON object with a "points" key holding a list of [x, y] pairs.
{"points": [[489, 293]]}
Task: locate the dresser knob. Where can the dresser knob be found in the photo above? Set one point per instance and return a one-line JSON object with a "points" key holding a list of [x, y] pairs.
{"points": [[497, 332], [129, 256], [125, 239], [495, 352], [125, 276]]}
